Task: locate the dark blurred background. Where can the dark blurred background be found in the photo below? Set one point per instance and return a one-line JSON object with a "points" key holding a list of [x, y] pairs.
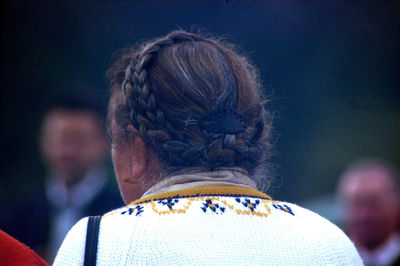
{"points": [[330, 68]]}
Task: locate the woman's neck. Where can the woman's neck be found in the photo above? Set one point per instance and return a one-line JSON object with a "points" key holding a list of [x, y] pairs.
{"points": [[194, 177]]}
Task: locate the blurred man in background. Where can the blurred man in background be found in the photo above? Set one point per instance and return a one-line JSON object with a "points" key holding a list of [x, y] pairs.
{"points": [[369, 190], [73, 146]]}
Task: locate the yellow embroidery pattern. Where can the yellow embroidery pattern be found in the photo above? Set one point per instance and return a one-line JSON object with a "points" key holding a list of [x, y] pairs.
{"points": [[203, 191], [258, 213], [157, 208], [217, 205], [254, 203]]}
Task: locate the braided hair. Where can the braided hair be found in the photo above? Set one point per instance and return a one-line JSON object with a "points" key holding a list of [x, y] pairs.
{"points": [[177, 91]]}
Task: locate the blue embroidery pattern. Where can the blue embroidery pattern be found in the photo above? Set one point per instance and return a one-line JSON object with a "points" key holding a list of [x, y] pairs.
{"points": [[242, 205], [169, 202], [248, 203], [130, 210], [284, 208], [214, 207]]}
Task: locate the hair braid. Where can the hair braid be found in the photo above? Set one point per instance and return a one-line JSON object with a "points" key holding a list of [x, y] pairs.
{"points": [[145, 116], [161, 126]]}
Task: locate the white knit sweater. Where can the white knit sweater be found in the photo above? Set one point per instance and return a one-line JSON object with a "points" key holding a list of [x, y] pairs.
{"points": [[212, 226]]}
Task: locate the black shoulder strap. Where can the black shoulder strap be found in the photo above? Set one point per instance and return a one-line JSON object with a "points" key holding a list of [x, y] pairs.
{"points": [[92, 237]]}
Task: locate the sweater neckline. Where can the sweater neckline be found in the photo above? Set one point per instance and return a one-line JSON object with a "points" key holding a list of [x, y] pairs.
{"points": [[193, 178], [204, 191]]}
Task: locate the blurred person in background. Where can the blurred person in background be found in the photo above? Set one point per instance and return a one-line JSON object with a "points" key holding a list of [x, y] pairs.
{"points": [[370, 194], [190, 143], [73, 146]]}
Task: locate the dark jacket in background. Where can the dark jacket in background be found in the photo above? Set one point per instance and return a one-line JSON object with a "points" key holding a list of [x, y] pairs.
{"points": [[29, 219]]}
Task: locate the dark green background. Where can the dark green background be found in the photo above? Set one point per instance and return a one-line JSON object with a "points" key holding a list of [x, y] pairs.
{"points": [[330, 68]]}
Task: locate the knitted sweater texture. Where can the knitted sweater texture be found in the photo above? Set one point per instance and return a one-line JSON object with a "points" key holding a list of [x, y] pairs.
{"points": [[223, 225]]}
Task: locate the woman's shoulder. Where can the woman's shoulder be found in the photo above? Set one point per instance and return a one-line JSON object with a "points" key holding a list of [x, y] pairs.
{"points": [[308, 222], [318, 233], [71, 251]]}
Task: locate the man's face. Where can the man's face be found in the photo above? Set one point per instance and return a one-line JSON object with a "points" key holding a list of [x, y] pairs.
{"points": [[72, 143], [371, 206]]}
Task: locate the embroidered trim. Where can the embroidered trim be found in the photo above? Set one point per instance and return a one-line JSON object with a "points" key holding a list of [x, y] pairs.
{"points": [[214, 205], [221, 203], [205, 191]]}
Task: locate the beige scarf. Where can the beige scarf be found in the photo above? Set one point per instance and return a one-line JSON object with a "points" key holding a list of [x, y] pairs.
{"points": [[220, 177]]}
